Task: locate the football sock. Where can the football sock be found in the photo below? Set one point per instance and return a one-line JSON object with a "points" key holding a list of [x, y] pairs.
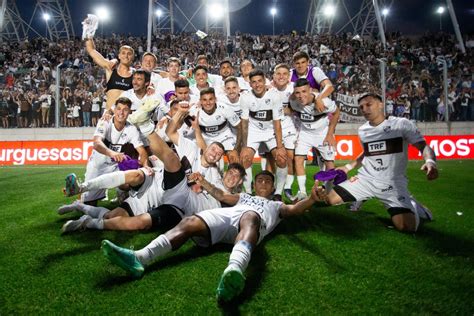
{"points": [[93, 211], [281, 174], [95, 223], [289, 181], [106, 181], [301, 183], [240, 255], [248, 180], [263, 163], [158, 247]]}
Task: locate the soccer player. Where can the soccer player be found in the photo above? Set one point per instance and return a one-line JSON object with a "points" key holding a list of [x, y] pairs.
{"points": [[283, 87], [262, 112], [201, 79], [145, 208], [383, 164], [112, 140], [317, 130], [167, 84], [244, 225], [215, 121], [117, 73], [231, 96]]}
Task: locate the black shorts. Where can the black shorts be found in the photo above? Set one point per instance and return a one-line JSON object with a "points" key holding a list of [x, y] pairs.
{"points": [[127, 208], [172, 179], [165, 216]]}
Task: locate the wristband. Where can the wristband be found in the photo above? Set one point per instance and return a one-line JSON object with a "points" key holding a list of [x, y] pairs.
{"points": [[430, 161], [348, 167]]}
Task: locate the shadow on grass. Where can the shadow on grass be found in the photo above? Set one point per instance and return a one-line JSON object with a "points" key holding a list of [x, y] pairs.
{"points": [[444, 243], [54, 258]]}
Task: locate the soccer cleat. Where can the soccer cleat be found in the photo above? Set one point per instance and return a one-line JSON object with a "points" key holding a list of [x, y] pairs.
{"points": [[423, 212], [73, 185], [355, 206], [68, 208], [231, 284], [124, 258], [300, 196], [288, 194], [74, 225], [143, 114]]}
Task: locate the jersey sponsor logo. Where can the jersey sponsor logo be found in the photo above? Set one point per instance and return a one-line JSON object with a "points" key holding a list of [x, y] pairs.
{"points": [[306, 117], [261, 115], [387, 189], [384, 147]]}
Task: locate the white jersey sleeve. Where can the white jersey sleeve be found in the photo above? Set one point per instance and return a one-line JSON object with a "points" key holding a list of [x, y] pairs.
{"points": [[230, 115], [319, 75]]}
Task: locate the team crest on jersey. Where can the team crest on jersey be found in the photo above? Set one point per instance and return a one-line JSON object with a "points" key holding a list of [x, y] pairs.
{"points": [[387, 129], [268, 101], [218, 117]]}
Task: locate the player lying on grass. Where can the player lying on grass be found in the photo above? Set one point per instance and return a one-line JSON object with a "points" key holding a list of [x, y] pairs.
{"points": [[244, 225], [383, 165]]}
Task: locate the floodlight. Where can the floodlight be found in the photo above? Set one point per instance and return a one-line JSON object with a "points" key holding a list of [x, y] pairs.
{"points": [[46, 17], [329, 10], [440, 10], [273, 11], [159, 13], [215, 10], [385, 11], [103, 13]]}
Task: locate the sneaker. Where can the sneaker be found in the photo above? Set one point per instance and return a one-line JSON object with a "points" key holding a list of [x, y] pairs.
{"points": [[231, 284], [68, 208], [73, 185], [300, 196], [355, 206], [288, 194], [74, 225], [423, 212], [124, 258]]}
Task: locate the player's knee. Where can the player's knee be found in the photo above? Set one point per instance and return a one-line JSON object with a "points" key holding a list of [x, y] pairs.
{"points": [[246, 160], [281, 162], [250, 220], [402, 224]]}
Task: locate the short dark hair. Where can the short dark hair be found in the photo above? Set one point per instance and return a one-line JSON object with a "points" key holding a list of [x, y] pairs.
{"points": [[237, 166], [265, 173], [207, 91], [181, 83], [231, 79], [218, 144], [367, 95], [300, 54], [256, 72], [225, 61], [143, 72], [301, 82], [202, 57], [124, 100], [200, 67]]}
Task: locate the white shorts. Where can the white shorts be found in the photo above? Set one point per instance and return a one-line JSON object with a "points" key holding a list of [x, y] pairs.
{"points": [[226, 138], [289, 137], [149, 195], [308, 139], [257, 137], [224, 224], [93, 170], [187, 200], [390, 193]]}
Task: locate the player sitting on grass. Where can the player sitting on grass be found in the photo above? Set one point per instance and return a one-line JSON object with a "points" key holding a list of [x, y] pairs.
{"points": [[383, 165], [244, 225]]}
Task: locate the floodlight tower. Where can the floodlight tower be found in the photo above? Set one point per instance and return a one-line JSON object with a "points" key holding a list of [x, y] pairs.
{"points": [[59, 25], [217, 16], [321, 15], [163, 20], [12, 26]]}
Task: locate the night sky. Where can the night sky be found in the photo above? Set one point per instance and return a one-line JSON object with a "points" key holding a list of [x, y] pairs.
{"points": [[130, 16]]}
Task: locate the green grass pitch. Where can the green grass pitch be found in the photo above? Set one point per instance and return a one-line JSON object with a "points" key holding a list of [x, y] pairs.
{"points": [[328, 261]]}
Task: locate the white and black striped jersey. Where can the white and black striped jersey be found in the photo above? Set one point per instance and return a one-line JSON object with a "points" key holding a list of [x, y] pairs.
{"points": [[261, 112], [217, 122]]}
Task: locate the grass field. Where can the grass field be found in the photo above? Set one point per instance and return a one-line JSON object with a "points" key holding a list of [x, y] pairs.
{"points": [[329, 261]]}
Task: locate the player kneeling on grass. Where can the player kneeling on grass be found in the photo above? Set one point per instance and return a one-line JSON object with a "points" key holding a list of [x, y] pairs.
{"points": [[383, 164], [244, 225]]}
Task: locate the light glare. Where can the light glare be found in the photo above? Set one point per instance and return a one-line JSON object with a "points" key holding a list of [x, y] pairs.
{"points": [[440, 10], [329, 10], [273, 11], [215, 10], [46, 16], [103, 13], [385, 12]]}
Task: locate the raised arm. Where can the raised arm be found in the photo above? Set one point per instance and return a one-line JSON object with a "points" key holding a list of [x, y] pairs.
{"points": [[174, 124], [218, 194], [97, 57]]}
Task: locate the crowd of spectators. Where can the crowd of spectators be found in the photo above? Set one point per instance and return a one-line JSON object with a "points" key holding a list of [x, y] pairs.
{"points": [[28, 71]]}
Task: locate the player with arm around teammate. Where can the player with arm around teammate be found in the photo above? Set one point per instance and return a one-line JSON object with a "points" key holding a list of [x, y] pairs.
{"points": [[243, 225], [382, 166]]}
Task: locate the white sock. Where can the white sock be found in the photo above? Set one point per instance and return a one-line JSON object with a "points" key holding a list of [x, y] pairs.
{"points": [[280, 179], [321, 164], [240, 255], [301, 183], [289, 181], [158, 247], [221, 164], [263, 163], [94, 211], [106, 181], [95, 223], [248, 180], [146, 128]]}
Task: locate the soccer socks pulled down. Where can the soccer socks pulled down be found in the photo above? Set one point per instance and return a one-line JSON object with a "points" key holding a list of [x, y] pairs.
{"points": [[106, 181], [93, 211], [289, 181], [301, 183], [158, 247], [240, 255], [248, 180], [281, 174]]}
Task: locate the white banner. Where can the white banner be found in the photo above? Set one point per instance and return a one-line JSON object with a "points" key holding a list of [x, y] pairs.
{"points": [[349, 109]]}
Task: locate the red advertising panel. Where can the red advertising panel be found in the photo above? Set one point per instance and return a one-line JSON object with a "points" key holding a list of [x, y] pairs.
{"points": [[65, 152]]}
